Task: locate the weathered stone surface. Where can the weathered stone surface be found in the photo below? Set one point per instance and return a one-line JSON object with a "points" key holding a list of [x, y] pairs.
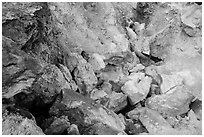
{"points": [[192, 15], [155, 123], [174, 102], [137, 91], [97, 94], [84, 112], [13, 10], [97, 61], [15, 124], [170, 81], [117, 101], [85, 30], [84, 75]]}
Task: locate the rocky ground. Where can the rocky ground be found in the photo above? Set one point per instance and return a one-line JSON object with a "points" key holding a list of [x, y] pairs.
{"points": [[101, 68]]}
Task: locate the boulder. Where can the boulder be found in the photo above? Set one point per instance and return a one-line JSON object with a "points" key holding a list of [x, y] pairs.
{"points": [[173, 103]]}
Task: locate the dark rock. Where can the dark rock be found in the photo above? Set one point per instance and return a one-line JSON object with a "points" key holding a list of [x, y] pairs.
{"points": [[58, 126], [196, 106]]}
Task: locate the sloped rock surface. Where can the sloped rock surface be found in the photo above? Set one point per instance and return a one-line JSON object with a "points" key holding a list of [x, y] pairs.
{"points": [[174, 102]]}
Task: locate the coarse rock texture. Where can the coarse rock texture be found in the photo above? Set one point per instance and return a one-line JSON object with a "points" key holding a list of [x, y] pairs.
{"points": [[137, 91], [15, 124], [173, 103], [117, 101], [101, 68]]}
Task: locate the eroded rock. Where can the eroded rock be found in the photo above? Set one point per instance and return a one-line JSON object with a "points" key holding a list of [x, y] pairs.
{"points": [[137, 91], [174, 102]]}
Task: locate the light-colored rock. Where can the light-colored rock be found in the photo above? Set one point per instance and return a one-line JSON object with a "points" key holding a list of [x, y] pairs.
{"points": [[170, 81], [97, 61], [174, 102], [73, 130], [84, 75], [98, 94], [14, 124], [137, 68], [192, 16], [137, 91], [155, 123], [117, 101]]}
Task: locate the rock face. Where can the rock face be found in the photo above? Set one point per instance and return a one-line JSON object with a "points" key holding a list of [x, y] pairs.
{"points": [[174, 102], [94, 68]]}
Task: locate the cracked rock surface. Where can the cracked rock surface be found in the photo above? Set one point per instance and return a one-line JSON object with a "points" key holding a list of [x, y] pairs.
{"points": [[101, 68]]}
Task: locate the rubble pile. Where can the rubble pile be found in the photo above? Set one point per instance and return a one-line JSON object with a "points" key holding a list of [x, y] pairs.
{"points": [[95, 68]]}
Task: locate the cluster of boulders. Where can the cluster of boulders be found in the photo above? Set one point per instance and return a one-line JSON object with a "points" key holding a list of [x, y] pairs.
{"points": [[101, 68]]}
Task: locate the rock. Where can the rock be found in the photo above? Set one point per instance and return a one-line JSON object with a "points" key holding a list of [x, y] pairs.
{"points": [[84, 75], [97, 94], [192, 16], [15, 124], [58, 126], [134, 128], [137, 91], [174, 102], [68, 77], [84, 112], [107, 87], [89, 36], [137, 68], [18, 71], [50, 83], [97, 61], [196, 106], [12, 10], [73, 130], [100, 96], [122, 118], [155, 123], [102, 129], [152, 72], [169, 82], [117, 101]]}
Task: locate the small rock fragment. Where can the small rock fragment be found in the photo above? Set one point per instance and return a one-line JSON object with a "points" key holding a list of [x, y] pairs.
{"points": [[73, 130], [97, 61]]}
